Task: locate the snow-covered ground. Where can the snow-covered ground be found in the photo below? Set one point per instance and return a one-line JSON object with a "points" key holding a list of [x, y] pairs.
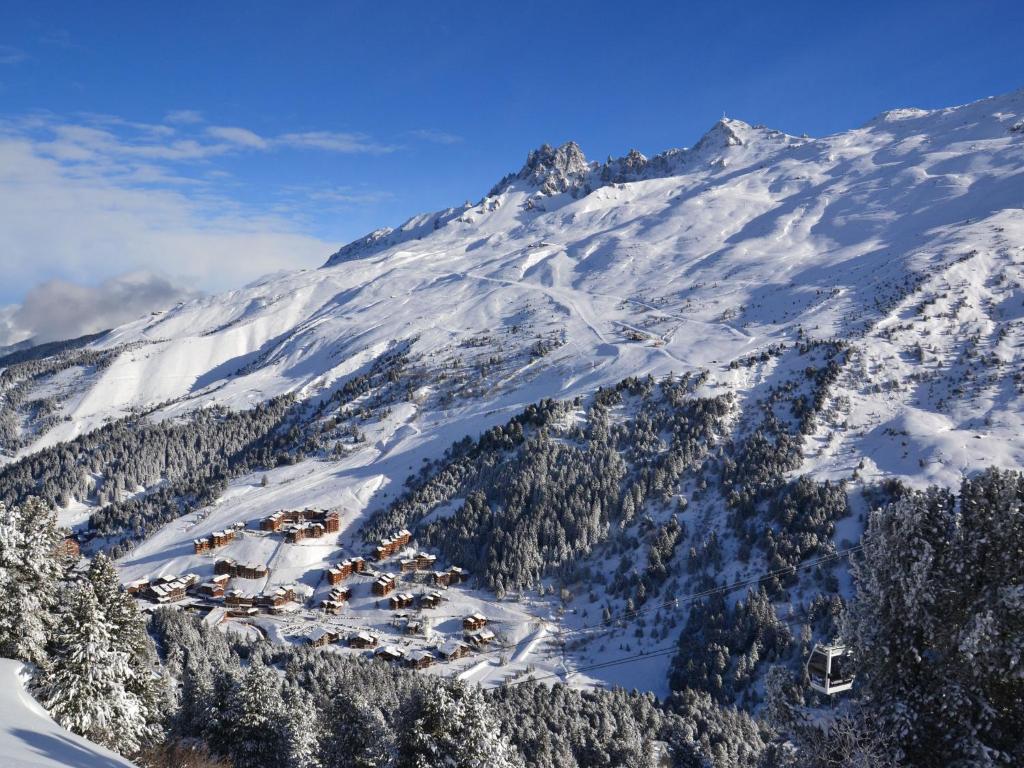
{"points": [[904, 237], [29, 738]]}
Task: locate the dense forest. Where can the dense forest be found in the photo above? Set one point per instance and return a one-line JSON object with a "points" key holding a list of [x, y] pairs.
{"points": [[935, 621]]}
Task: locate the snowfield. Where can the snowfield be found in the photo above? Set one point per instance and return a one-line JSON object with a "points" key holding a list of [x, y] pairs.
{"points": [[29, 738], [904, 237]]}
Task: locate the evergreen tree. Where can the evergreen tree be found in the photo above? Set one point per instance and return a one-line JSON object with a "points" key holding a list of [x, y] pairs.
{"points": [[451, 726], [128, 636], [300, 728], [84, 688], [938, 622], [254, 719], [29, 572], [356, 734]]}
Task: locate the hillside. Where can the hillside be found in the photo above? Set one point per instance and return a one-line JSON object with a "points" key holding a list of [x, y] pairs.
{"points": [[847, 308], [30, 739]]}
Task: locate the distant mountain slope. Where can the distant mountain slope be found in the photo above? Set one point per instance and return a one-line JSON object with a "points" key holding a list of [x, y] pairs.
{"points": [[694, 258], [857, 300], [29, 738]]}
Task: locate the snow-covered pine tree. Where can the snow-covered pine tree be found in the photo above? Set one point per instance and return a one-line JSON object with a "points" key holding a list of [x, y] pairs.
{"points": [[84, 687], [128, 636], [938, 622], [356, 734], [451, 726], [29, 573], [301, 729], [254, 719]]}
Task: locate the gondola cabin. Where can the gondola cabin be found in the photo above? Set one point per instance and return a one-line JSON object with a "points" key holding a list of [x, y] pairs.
{"points": [[830, 669]]}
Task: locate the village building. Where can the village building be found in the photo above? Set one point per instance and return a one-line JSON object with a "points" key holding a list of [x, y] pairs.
{"points": [[480, 637], [211, 589], [474, 621], [243, 611], [215, 616], [341, 594], [217, 538], [318, 637], [190, 580], [454, 575], [453, 650], [302, 524], [388, 547], [136, 587], [166, 591], [362, 640], [236, 598], [430, 599], [333, 607], [341, 571], [419, 659], [276, 598], [407, 565], [389, 653], [400, 601], [425, 561], [384, 584], [249, 571]]}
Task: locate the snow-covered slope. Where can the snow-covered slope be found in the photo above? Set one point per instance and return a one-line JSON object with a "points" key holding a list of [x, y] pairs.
{"points": [[692, 258], [904, 237], [29, 738]]}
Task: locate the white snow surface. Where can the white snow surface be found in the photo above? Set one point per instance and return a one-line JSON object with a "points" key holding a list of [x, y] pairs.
{"points": [[29, 738], [904, 236]]}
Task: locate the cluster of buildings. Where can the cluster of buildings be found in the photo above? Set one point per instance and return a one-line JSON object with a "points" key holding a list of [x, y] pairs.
{"points": [[384, 584], [336, 600], [217, 539], [229, 567], [388, 547], [475, 629], [275, 600], [163, 589], [338, 573], [421, 562], [302, 524], [454, 575]]}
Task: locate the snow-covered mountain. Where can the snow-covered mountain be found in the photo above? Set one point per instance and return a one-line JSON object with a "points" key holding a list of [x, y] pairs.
{"points": [[904, 238], [904, 233]]}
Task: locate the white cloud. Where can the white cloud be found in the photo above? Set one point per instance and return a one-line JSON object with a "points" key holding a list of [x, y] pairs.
{"points": [[436, 136], [11, 55], [184, 116], [88, 221], [241, 136], [97, 197], [58, 309], [336, 141]]}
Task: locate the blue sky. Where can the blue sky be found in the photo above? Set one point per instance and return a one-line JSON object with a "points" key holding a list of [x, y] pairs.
{"points": [[207, 143]]}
